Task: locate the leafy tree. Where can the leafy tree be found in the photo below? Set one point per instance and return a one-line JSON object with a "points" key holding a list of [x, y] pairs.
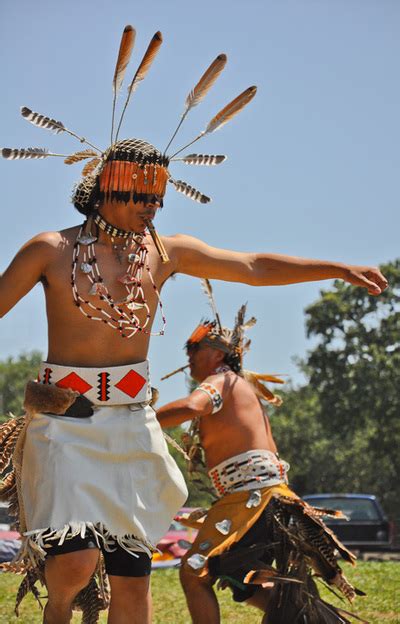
{"points": [[14, 374], [343, 428]]}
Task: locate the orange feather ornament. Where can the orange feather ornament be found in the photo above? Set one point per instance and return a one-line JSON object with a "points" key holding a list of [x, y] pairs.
{"points": [[142, 70], [124, 55], [206, 82], [231, 109]]}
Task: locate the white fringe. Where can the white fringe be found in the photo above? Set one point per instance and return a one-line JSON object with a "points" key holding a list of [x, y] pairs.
{"points": [[35, 543]]}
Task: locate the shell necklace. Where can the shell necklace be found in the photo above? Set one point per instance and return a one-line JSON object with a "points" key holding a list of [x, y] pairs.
{"points": [[120, 315]]}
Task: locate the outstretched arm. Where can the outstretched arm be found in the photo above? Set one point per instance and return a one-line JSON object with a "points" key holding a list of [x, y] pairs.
{"points": [[194, 257], [25, 271], [197, 405], [175, 413]]}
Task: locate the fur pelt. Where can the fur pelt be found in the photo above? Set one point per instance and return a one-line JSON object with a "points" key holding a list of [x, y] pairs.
{"points": [[48, 399]]}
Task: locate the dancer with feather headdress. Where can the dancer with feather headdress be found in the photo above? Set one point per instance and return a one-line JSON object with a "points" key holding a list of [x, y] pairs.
{"points": [[259, 538], [92, 482]]}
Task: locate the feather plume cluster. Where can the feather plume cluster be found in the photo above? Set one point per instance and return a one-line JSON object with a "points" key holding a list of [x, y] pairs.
{"points": [[194, 97], [78, 156], [295, 544], [9, 432], [89, 168]]}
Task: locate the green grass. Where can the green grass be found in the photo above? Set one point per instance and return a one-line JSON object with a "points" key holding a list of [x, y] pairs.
{"points": [[380, 580]]}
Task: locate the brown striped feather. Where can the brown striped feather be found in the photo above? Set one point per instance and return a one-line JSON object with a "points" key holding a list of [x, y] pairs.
{"points": [[206, 82], [230, 110], [124, 55], [147, 61]]}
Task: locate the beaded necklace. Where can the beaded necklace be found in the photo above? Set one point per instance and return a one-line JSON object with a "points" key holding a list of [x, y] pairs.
{"points": [[120, 315]]}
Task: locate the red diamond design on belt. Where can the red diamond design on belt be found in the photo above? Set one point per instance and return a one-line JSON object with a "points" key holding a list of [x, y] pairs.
{"points": [[74, 382], [131, 383]]}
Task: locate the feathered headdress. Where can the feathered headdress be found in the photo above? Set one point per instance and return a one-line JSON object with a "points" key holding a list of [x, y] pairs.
{"points": [[234, 343], [135, 169]]}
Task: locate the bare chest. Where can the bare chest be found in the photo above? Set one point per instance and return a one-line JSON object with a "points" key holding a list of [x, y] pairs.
{"points": [[105, 294]]}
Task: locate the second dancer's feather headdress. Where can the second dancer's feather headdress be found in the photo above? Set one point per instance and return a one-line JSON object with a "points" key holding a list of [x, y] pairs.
{"points": [[234, 343], [134, 169]]}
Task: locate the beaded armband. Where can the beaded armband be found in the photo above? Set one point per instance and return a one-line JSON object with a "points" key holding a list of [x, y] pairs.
{"points": [[213, 394]]}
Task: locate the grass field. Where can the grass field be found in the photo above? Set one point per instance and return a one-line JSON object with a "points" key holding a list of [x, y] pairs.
{"points": [[380, 580]]}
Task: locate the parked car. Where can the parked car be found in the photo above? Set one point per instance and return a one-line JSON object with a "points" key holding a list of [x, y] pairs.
{"points": [[9, 539], [367, 527], [175, 543]]}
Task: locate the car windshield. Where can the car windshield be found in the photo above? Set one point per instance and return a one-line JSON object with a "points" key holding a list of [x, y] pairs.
{"points": [[353, 508]]}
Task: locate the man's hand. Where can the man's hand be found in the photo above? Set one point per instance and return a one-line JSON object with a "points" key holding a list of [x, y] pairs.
{"points": [[366, 277]]}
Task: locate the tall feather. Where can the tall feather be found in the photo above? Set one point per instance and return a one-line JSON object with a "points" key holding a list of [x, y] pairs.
{"points": [[230, 110], [190, 191], [41, 121], [13, 153], [141, 72], [202, 159], [224, 115], [201, 89], [237, 332], [124, 55], [205, 83], [209, 292]]}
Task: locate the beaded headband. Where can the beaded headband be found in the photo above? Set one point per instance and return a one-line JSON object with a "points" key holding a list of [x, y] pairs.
{"points": [[134, 169]]}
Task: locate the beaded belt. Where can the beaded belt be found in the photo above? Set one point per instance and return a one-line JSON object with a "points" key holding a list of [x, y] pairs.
{"points": [[248, 471], [112, 385]]}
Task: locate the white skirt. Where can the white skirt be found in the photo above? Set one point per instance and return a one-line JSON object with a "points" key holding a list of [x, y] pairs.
{"points": [[111, 473]]}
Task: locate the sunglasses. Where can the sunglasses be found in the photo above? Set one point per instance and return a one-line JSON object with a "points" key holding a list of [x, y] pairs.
{"points": [[192, 347]]}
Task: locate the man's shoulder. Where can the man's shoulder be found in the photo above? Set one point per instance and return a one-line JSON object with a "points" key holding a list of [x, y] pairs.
{"points": [[223, 379], [53, 237], [181, 241], [50, 242]]}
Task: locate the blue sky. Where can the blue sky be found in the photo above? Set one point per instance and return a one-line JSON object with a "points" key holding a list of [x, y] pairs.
{"points": [[312, 165]]}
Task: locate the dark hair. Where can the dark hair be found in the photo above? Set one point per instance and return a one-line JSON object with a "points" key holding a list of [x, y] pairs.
{"points": [[234, 361]]}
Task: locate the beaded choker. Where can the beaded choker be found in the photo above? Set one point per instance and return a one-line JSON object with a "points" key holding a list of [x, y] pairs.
{"points": [[110, 229], [120, 315]]}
